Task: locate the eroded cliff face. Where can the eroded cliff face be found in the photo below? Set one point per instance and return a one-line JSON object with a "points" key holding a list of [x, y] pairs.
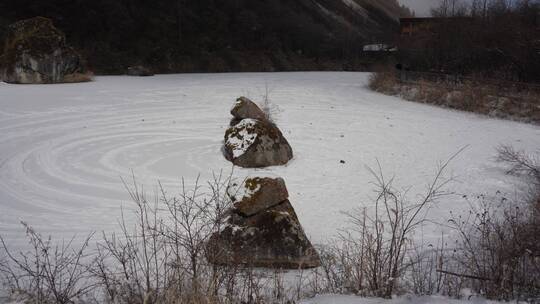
{"points": [[369, 19]]}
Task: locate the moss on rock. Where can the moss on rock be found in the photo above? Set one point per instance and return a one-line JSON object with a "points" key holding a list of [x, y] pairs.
{"points": [[260, 193], [254, 144], [36, 52], [272, 238]]}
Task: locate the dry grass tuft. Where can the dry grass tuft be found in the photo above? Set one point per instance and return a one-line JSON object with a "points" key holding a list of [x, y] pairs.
{"points": [[475, 96], [78, 77], [384, 82]]}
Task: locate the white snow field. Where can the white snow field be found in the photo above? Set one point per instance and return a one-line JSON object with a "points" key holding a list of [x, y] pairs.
{"points": [[346, 299], [64, 148]]}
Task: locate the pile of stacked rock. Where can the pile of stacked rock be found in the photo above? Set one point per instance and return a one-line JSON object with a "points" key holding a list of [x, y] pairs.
{"points": [[262, 228], [252, 140]]}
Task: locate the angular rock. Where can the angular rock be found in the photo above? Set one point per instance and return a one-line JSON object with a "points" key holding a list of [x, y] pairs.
{"points": [[260, 194], [36, 52], [255, 144], [245, 108], [262, 233], [272, 238], [139, 70]]}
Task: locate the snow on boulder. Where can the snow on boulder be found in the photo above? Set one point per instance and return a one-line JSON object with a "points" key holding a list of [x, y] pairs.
{"points": [[259, 193], [239, 138], [245, 108], [262, 233], [253, 143], [36, 52]]}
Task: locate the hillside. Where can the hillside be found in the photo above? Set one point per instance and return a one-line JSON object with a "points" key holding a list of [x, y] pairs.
{"points": [[216, 36]]}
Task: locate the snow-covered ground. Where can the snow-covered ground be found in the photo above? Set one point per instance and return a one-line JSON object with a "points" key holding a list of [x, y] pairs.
{"points": [[64, 148], [344, 299]]}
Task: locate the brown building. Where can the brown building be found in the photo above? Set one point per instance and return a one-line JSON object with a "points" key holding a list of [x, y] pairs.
{"points": [[428, 25], [411, 26]]}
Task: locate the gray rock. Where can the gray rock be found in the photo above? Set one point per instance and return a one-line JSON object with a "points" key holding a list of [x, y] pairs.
{"points": [[245, 108], [255, 144], [259, 194], [36, 52], [272, 238]]}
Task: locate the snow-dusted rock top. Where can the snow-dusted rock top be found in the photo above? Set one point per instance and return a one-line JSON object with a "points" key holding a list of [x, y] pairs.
{"points": [[240, 141], [254, 143]]}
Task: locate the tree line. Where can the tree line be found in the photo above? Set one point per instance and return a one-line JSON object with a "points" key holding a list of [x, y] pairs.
{"points": [[485, 38]]}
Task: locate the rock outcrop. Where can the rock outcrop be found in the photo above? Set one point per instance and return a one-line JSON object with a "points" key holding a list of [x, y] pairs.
{"points": [[36, 52], [252, 141], [262, 230]]}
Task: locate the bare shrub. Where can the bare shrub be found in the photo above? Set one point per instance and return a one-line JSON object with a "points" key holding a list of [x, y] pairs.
{"points": [[519, 161], [371, 257], [269, 108], [497, 253], [384, 82], [385, 236], [341, 270], [47, 273], [131, 265], [477, 94], [162, 257], [157, 256], [424, 261], [78, 77]]}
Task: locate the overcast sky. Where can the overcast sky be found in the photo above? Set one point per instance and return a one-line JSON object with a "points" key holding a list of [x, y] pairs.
{"points": [[421, 7]]}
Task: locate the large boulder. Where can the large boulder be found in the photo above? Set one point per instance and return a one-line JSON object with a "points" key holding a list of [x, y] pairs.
{"points": [[253, 143], [262, 233], [36, 52], [245, 108], [272, 238], [259, 193]]}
